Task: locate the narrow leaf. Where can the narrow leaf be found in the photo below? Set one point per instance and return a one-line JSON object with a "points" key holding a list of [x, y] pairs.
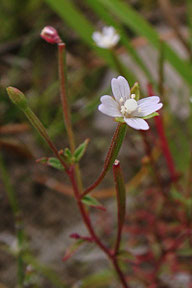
{"points": [[68, 154], [51, 161], [92, 202], [79, 152], [55, 163]]}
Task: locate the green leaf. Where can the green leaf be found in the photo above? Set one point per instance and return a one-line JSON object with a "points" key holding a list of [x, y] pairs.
{"points": [[151, 115], [79, 152], [52, 161], [68, 154], [55, 163], [92, 202]]}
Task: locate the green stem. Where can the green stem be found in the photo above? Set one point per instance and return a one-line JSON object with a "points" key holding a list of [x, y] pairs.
{"points": [[42, 131]]}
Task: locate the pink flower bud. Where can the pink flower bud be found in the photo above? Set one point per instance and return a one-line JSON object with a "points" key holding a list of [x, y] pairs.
{"points": [[50, 35]]}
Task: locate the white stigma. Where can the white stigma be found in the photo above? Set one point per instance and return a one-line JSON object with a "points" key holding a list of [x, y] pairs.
{"points": [[129, 107]]}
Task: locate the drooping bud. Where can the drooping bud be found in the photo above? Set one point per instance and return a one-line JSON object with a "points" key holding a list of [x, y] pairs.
{"points": [[50, 35], [17, 97]]}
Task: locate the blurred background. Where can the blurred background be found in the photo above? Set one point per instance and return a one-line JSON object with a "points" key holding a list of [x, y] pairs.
{"points": [[154, 47]]}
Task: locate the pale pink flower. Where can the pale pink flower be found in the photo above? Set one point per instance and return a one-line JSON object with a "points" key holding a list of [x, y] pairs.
{"points": [[107, 38], [125, 106]]}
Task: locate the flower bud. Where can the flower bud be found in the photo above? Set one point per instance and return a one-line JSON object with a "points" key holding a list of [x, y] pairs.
{"points": [[17, 97], [50, 35]]}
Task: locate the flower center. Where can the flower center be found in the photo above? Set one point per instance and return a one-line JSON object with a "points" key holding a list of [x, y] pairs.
{"points": [[129, 106]]}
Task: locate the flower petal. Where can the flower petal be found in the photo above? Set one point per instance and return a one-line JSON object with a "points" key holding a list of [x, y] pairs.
{"points": [[109, 106], [109, 31], [151, 99], [120, 88], [147, 106], [137, 123], [97, 37]]}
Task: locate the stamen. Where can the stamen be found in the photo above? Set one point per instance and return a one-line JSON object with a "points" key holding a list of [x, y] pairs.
{"points": [[132, 96], [123, 110], [121, 100]]}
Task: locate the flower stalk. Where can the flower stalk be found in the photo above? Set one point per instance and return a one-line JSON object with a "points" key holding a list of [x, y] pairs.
{"points": [[112, 153]]}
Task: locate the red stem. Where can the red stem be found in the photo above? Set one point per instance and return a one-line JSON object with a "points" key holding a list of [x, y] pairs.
{"points": [[88, 224], [63, 93], [164, 143]]}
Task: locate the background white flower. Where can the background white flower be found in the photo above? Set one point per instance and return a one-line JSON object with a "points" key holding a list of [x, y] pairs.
{"points": [[124, 105], [108, 38]]}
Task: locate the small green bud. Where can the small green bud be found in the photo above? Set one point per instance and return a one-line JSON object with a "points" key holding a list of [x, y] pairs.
{"points": [[17, 97], [135, 90]]}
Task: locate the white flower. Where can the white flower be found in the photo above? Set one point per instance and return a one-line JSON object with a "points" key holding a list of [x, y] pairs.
{"points": [[124, 105], [108, 38]]}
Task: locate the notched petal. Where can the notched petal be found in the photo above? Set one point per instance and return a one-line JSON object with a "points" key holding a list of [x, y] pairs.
{"points": [[110, 109], [120, 88]]}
